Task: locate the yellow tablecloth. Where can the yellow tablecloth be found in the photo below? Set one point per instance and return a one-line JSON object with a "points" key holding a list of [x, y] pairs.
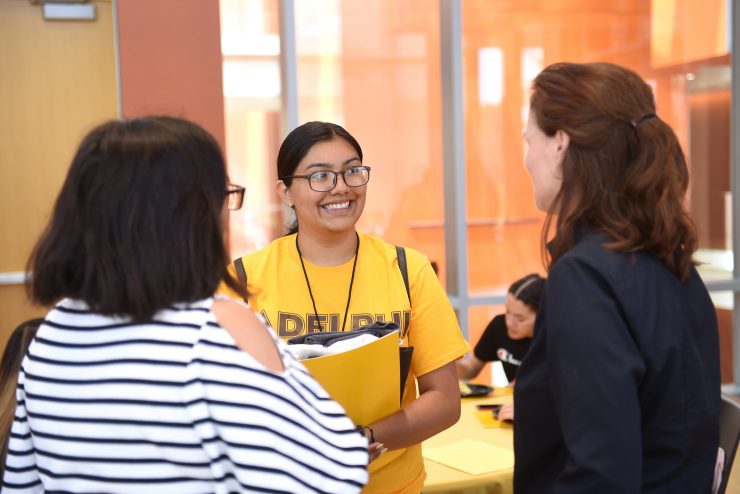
{"points": [[444, 479]]}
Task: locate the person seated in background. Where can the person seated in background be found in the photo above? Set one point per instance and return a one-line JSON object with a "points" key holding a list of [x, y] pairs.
{"points": [[507, 336], [140, 380], [18, 343]]}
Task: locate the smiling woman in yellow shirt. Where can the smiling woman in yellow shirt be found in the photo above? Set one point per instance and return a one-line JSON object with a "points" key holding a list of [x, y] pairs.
{"points": [[324, 275]]}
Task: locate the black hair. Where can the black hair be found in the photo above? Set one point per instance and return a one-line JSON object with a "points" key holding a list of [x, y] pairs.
{"points": [[299, 142], [137, 225], [529, 290]]}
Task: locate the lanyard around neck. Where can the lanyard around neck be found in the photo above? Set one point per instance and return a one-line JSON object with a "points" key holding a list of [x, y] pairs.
{"points": [[308, 284]]}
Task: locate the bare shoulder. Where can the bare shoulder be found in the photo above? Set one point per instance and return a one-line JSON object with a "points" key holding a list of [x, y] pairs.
{"points": [[249, 332]]}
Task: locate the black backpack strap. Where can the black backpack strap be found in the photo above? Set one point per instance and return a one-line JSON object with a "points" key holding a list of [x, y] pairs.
{"points": [[401, 254], [241, 274]]}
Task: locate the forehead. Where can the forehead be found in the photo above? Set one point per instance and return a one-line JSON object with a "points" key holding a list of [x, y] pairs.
{"points": [[334, 153], [516, 306], [531, 123]]}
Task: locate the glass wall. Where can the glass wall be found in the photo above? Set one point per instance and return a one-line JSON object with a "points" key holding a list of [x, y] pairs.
{"points": [[250, 43], [680, 47], [374, 67]]}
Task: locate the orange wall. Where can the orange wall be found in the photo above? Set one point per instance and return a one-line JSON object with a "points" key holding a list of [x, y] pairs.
{"points": [[170, 54]]}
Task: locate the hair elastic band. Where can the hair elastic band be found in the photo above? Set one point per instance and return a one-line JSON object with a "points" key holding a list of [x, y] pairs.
{"points": [[638, 121]]}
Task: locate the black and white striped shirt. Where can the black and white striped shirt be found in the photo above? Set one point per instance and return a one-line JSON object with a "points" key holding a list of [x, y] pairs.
{"points": [[171, 406]]}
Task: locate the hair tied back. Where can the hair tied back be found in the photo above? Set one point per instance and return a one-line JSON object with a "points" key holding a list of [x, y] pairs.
{"points": [[638, 121], [532, 279]]}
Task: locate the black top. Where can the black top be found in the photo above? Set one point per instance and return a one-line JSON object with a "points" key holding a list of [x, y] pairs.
{"points": [[495, 344], [620, 390]]}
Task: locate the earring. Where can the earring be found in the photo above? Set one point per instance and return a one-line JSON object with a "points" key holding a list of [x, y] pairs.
{"points": [[291, 205]]}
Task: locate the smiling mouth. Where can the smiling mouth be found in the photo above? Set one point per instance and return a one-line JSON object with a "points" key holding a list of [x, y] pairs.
{"points": [[336, 206]]}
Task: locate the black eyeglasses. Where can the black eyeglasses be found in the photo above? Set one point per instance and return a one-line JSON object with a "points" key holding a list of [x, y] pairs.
{"points": [[234, 197], [326, 180]]}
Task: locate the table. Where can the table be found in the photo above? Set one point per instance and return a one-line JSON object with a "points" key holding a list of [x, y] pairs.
{"points": [[444, 479]]}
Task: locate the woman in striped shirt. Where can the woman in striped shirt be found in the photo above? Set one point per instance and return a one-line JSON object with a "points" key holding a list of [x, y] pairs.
{"points": [[139, 380]]}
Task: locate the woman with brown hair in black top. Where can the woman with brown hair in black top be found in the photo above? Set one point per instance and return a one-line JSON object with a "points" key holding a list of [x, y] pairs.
{"points": [[620, 390]]}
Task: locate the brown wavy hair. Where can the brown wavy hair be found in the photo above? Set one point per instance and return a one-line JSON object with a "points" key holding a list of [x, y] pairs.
{"points": [[624, 173]]}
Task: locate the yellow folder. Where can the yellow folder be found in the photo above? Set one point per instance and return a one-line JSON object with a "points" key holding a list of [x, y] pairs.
{"points": [[364, 380]]}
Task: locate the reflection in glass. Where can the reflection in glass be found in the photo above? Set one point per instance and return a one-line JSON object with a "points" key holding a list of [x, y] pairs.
{"points": [[373, 67], [681, 48], [250, 45]]}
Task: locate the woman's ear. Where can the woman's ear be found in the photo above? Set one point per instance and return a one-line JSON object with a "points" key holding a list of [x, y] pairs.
{"points": [[561, 141], [284, 193]]}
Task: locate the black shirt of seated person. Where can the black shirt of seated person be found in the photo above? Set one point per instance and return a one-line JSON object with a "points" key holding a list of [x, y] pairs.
{"points": [[495, 344]]}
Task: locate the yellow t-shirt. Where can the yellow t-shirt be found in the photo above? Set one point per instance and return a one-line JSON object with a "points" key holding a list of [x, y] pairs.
{"points": [[277, 289]]}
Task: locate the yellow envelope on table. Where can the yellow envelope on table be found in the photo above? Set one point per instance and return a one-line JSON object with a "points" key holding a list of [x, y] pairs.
{"points": [[364, 380], [471, 456]]}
